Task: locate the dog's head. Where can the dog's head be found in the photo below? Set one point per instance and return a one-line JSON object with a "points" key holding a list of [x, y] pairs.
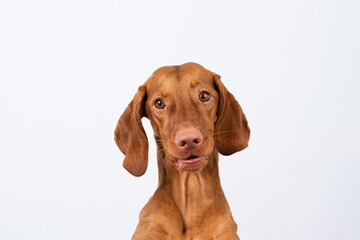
{"points": [[191, 112]]}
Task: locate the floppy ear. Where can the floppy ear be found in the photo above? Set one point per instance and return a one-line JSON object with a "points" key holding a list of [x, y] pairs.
{"points": [[231, 128], [130, 135]]}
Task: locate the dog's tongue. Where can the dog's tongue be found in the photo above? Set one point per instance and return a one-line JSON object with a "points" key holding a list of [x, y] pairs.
{"points": [[191, 163]]}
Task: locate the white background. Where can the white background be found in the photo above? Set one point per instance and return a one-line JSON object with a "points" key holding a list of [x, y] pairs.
{"points": [[69, 68]]}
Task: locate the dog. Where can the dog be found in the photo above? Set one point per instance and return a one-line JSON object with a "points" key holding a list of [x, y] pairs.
{"points": [[194, 118]]}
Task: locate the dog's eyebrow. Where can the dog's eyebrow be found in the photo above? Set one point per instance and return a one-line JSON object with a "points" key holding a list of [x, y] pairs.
{"points": [[165, 93], [195, 83]]}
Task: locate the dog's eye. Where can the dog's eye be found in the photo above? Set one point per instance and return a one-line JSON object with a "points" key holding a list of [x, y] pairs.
{"points": [[204, 96], [159, 103]]}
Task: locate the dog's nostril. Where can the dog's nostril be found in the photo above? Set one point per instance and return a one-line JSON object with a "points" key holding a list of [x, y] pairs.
{"points": [[182, 143], [196, 141]]}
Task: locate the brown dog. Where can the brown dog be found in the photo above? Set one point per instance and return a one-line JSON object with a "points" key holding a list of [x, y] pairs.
{"points": [[194, 117]]}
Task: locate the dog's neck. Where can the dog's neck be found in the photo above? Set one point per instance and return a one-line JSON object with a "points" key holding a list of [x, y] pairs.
{"points": [[193, 193]]}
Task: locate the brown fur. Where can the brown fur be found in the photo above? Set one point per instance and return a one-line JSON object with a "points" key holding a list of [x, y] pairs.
{"points": [[189, 203]]}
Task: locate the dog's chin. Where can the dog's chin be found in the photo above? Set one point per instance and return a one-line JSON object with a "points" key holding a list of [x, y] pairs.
{"points": [[192, 163]]}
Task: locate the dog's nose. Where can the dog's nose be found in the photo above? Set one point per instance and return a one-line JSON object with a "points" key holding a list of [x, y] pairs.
{"points": [[188, 139]]}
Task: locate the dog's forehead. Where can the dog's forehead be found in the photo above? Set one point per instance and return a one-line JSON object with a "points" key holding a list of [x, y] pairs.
{"points": [[187, 75]]}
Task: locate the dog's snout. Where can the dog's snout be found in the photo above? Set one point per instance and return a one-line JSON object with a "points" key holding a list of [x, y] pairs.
{"points": [[188, 139]]}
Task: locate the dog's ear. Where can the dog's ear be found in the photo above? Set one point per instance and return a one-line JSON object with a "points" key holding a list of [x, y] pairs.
{"points": [[130, 135], [232, 132]]}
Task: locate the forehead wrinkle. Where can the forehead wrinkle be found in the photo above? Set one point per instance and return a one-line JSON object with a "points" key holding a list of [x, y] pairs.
{"points": [[195, 78], [197, 83], [165, 84], [178, 80], [165, 93], [193, 83], [185, 94]]}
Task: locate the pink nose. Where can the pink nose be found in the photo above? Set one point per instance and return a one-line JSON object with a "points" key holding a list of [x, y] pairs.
{"points": [[188, 139]]}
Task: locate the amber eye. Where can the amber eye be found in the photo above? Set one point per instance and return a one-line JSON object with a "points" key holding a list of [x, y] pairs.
{"points": [[159, 103], [204, 96]]}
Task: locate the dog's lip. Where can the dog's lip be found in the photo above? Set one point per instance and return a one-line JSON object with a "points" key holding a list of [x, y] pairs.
{"points": [[191, 162]]}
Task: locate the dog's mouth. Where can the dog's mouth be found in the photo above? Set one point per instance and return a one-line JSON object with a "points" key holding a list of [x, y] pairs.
{"points": [[191, 157], [192, 163]]}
